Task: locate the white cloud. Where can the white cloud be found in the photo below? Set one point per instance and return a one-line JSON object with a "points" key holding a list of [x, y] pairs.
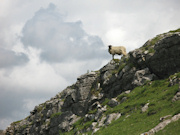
{"points": [[59, 40], [139, 19], [115, 36], [30, 103], [35, 75]]}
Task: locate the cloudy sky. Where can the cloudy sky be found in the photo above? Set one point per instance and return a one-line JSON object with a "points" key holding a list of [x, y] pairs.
{"points": [[46, 44]]}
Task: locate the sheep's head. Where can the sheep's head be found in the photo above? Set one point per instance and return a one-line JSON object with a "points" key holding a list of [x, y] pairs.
{"points": [[110, 46]]}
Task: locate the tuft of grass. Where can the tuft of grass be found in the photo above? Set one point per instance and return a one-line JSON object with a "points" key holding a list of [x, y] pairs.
{"points": [[16, 122], [176, 75], [116, 60], [155, 40], [55, 114], [78, 123], [94, 92], [173, 31], [122, 63], [121, 67], [39, 109], [66, 133], [79, 126], [92, 111], [105, 101]]}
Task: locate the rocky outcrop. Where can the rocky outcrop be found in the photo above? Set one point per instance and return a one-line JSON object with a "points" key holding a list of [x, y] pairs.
{"points": [[78, 97], [165, 61], [145, 107], [83, 101]]}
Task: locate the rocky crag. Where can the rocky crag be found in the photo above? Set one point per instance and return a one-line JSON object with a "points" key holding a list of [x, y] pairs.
{"points": [[87, 101]]}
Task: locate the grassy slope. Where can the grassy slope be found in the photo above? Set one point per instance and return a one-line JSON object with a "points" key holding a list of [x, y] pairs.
{"points": [[133, 121]]}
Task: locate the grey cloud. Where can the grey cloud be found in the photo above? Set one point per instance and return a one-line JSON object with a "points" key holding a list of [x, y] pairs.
{"points": [[60, 40], [14, 108], [9, 101], [9, 58]]}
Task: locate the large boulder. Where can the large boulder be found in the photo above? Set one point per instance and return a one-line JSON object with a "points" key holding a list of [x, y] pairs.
{"points": [[166, 59], [78, 97]]}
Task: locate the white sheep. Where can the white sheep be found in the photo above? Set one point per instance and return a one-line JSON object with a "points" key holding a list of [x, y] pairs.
{"points": [[117, 50]]}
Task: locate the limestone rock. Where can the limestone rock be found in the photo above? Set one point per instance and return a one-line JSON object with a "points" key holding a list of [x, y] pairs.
{"points": [[89, 117], [100, 112], [165, 118], [145, 107], [101, 121], [165, 61], [123, 100], [111, 117], [127, 92], [142, 76], [176, 97], [113, 102], [174, 80]]}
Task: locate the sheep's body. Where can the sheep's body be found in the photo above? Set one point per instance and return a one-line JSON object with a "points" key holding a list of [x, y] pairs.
{"points": [[117, 50]]}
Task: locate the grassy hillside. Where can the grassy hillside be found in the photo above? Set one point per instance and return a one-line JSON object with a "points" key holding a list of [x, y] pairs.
{"points": [[133, 121]]}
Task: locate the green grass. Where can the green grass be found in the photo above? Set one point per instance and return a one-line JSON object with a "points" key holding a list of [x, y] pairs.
{"points": [[105, 101], [78, 126], [159, 97], [119, 69], [55, 114], [155, 40], [116, 60], [176, 75], [92, 111], [172, 31], [95, 91], [16, 122]]}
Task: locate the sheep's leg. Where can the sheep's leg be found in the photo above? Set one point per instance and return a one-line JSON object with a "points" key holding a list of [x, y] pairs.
{"points": [[113, 57]]}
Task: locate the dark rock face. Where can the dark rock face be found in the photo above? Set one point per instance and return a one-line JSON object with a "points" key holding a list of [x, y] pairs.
{"points": [[166, 59], [151, 61]]}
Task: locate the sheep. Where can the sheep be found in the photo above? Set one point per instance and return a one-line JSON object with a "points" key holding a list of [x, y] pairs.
{"points": [[117, 50]]}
